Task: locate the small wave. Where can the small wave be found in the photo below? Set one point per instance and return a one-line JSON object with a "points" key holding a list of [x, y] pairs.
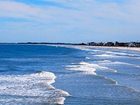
{"points": [[115, 54], [37, 86], [106, 55], [117, 62], [121, 54], [129, 64], [21, 59], [112, 81], [83, 66], [105, 61], [87, 57], [89, 68]]}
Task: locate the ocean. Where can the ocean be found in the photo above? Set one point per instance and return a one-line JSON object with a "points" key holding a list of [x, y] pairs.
{"points": [[69, 75]]}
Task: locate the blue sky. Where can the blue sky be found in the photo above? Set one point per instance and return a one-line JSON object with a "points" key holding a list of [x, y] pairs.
{"points": [[69, 20]]}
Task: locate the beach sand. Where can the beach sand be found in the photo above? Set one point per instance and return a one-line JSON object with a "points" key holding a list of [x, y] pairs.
{"points": [[86, 47], [121, 48]]}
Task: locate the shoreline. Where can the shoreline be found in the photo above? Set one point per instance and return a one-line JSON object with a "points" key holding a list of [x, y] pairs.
{"points": [[111, 47], [121, 48]]}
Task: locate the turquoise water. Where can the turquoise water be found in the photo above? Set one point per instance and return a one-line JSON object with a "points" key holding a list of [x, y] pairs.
{"points": [[44, 75]]}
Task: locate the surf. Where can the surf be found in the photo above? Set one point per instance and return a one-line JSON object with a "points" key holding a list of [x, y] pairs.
{"points": [[31, 88]]}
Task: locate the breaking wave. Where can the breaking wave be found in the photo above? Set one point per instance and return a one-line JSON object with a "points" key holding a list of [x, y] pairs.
{"points": [[89, 68], [106, 55], [83, 66], [122, 54], [117, 62], [30, 88], [114, 54]]}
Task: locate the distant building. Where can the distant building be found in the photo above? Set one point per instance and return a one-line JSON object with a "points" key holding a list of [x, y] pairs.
{"points": [[117, 44], [131, 44], [109, 44], [92, 44]]}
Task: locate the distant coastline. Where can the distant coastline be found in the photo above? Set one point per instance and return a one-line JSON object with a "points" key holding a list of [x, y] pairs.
{"points": [[134, 46], [108, 44]]}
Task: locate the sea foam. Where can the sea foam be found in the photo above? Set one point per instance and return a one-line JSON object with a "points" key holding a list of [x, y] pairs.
{"points": [[89, 68], [108, 62], [30, 88]]}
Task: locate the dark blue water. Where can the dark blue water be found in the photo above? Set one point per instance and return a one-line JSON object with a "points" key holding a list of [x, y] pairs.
{"points": [[42, 75], [31, 58]]}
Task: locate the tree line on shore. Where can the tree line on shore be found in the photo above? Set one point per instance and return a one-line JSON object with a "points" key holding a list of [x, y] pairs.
{"points": [[111, 44], [117, 44]]}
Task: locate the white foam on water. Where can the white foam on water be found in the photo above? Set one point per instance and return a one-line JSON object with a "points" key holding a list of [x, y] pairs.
{"points": [[83, 66], [121, 53], [129, 64], [117, 62], [115, 54], [96, 66], [106, 55], [105, 61], [29, 88], [87, 57], [89, 68]]}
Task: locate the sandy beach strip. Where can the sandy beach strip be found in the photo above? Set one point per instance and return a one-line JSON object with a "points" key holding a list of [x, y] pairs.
{"points": [[92, 47], [121, 48]]}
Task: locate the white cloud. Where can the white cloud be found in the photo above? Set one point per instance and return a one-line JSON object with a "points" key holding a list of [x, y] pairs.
{"points": [[85, 9], [83, 17], [20, 10]]}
